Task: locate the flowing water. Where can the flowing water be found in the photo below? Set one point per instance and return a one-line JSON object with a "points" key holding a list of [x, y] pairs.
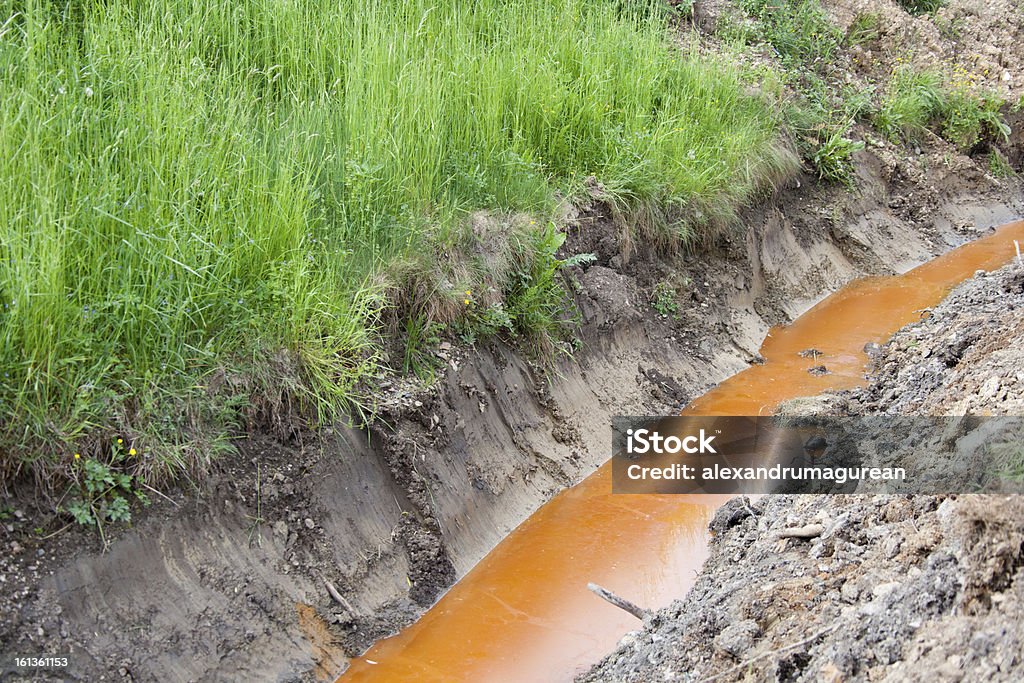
{"points": [[524, 612]]}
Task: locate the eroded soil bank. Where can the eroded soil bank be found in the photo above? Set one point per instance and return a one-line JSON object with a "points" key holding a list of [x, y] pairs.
{"points": [[524, 612], [229, 580], [212, 584], [896, 587]]}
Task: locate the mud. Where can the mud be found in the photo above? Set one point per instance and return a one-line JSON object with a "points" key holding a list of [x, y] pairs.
{"points": [[895, 588], [964, 358], [205, 585], [898, 588]]}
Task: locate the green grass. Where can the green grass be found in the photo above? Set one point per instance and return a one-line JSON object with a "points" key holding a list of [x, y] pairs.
{"points": [[799, 30], [922, 6], [918, 101], [201, 201], [864, 29], [912, 102]]}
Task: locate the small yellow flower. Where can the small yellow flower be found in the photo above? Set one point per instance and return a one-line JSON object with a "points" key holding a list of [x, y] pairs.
{"points": [[468, 293], [77, 456], [131, 451], [120, 441], [465, 301]]}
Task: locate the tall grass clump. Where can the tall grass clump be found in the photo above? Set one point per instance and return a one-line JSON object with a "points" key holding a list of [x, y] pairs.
{"points": [[799, 30], [922, 6], [917, 101], [195, 195]]}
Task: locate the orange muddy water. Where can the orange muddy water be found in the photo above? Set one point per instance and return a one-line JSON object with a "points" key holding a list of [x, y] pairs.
{"points": [[524, 612]]}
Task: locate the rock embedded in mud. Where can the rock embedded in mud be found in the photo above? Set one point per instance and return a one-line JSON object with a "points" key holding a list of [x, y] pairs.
{"points": [[873, 350], [729, 515], [815, 443], [819, 370], [738, 638]]}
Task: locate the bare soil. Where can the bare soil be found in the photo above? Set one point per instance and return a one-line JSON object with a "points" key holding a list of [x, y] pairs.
{"points": [[964, 358]]}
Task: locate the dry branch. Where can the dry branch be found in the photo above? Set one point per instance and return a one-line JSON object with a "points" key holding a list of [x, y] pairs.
{"points": [[621, 603], [338, 598]]}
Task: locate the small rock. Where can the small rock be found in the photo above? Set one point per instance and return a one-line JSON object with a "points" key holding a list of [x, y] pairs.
{"points": [[891, 547], [802, 532], [310, 524], [888, 651], [990, 388], [629, 640], [883, 589], [949, 672], [738, 638], [815, 443], [819, 370]]}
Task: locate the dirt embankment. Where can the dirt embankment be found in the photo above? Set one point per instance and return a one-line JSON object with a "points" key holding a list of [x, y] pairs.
{"points": [[965, 357], [216, 583], [896, 587], [230, 581]]}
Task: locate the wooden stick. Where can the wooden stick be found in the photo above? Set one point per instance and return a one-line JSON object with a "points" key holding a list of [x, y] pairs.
{"points": [[621, 603], [804, 532], [338, 597]]}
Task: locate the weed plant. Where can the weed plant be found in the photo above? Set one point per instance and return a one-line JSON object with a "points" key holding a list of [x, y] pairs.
{"points": [[917, 101]]}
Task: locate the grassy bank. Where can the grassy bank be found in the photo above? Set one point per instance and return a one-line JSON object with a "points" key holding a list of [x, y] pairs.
{"points": [[201, 200]]}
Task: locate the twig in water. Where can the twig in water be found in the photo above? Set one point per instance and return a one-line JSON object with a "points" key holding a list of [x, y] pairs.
{"points": [[814, 636], [621, 603]]}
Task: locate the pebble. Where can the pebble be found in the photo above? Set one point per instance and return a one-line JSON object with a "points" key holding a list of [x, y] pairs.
{"points": [[883, 589], [310, 524], [990, 388], [738, 638]]}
